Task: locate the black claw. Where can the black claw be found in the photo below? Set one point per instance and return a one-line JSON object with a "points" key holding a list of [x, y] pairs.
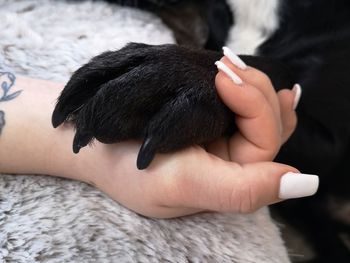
{"points": [[81, 140], [57, 118], [146, 154], [76, 148]]}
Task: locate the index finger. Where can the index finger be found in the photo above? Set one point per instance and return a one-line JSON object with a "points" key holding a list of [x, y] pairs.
{"points": [[260, 132]]}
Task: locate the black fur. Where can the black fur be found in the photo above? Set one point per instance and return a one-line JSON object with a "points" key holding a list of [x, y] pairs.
{"points": [[165, 96]]}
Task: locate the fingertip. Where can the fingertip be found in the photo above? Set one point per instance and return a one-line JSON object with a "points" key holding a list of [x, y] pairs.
{"points": [[286, 99], [229, 72], [292, 97], [245, 100]]}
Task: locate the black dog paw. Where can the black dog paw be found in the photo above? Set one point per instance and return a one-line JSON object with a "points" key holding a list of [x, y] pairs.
{"points": [[164, 95]]}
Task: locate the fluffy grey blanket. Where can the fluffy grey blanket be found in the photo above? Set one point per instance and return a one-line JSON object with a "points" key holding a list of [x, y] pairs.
{"points": [[45, 219]]}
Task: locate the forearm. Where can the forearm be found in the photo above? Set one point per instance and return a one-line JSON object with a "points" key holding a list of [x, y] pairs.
{"points": [[28, 143]]}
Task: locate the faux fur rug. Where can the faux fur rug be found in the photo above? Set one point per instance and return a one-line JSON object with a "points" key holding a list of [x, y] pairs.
{"points": [[46, 219]]}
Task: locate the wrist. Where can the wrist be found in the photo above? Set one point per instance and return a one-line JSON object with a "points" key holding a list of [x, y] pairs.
{"points": [[28, 143], [55, 156]]}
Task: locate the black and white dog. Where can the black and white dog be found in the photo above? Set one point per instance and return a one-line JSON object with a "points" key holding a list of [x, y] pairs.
{"points": [[165, 95]]}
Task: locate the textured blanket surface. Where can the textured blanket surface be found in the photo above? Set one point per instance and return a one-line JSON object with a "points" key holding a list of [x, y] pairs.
{"points": [[46, 219]]}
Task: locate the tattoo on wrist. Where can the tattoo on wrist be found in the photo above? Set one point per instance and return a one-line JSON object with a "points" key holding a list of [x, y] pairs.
{"points": [[7, 81], [2, 120]]}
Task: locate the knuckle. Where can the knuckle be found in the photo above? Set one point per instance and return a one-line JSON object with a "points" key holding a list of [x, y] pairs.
{"points": [[248, 203], [262, 79], [247, 200], [265, 79], [240, 199]]}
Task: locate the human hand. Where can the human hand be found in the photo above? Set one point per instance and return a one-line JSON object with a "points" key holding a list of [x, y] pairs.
{"points": [[265, 119], [194, 180], [186, 182]]}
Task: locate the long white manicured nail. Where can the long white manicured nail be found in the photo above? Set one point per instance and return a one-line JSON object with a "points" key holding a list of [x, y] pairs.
{"points": [[234, 58], [297, 90], [295, 185], [221, 66]]}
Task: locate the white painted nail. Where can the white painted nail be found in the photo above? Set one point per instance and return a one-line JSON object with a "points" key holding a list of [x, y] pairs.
{"points": [[235, 78], [295, 185], [297, 90], [236, 60]]}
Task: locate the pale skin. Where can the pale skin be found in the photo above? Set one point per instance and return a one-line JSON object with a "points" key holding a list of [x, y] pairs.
{"points": [[231, 175]]}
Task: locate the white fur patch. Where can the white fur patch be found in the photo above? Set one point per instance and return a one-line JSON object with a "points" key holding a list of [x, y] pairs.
{"points": [[255, 21]]}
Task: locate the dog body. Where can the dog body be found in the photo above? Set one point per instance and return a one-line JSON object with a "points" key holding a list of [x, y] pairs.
{"points": [[165, 95]]}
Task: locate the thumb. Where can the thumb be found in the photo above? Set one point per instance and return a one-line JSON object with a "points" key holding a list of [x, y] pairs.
{"points": [[267, 183], [230, 187]]}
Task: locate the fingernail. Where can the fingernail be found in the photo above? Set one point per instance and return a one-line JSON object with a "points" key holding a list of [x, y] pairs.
{"points": [[295, 185], [297, 90], [221, 66], [236, 60]]}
